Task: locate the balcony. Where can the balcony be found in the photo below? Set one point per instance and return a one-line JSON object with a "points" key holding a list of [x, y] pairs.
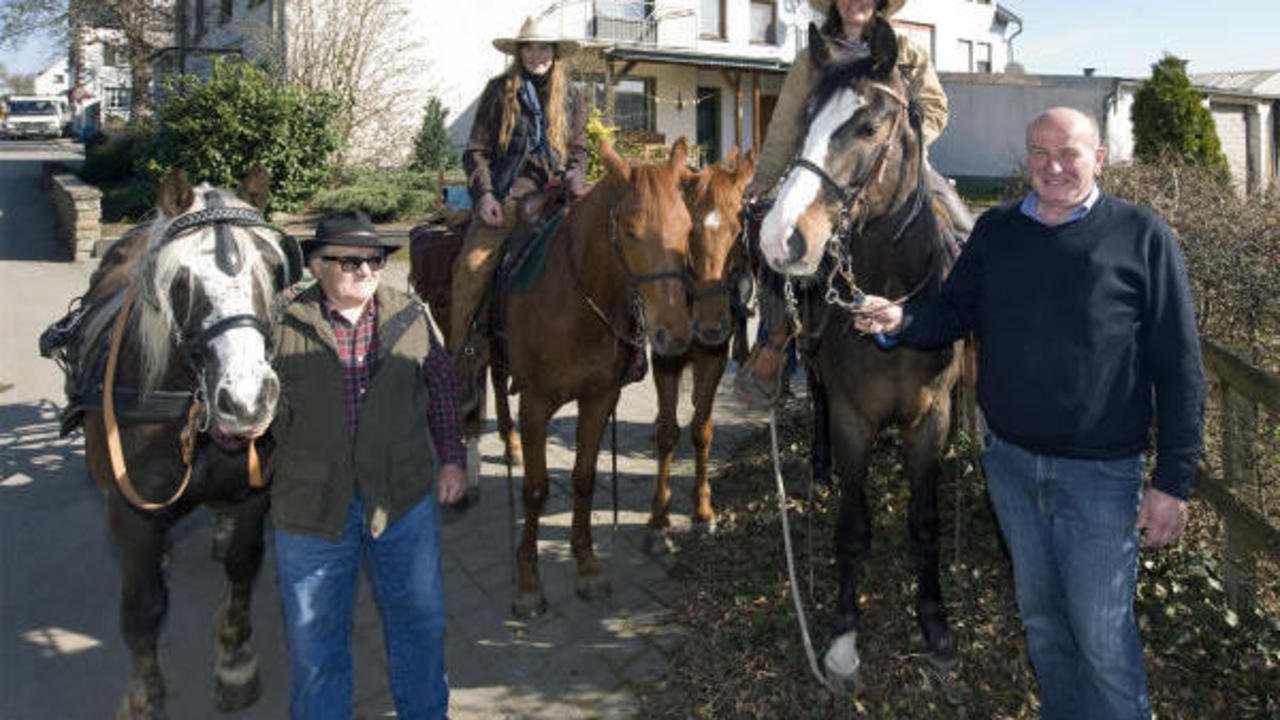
{"points": [[643, 23]]}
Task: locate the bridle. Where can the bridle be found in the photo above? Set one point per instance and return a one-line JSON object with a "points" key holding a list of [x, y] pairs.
{"points": [[227, 257], [851, 193], [851, 204]]}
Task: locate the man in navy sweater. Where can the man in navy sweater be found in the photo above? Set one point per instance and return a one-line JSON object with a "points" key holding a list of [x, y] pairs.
{"points": [[1082, 308]]}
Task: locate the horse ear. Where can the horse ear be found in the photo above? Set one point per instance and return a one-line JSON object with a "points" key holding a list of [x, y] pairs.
{"points": [[616, 166], [679, 154], [745, 168], [819, 53], [175, 196], [884, 48], [255, 188]]}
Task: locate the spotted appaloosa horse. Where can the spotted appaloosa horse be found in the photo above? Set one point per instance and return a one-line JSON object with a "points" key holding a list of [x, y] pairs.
{"points": [[193, 387], [614, 277], [853, 212], [717, 260]]}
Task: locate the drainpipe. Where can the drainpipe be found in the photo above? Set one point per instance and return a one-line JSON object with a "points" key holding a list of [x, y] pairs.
{"points": [[1013, 18]]}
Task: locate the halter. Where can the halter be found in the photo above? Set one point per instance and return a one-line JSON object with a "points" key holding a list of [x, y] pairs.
{"points": [[197, 415], [850, 194]]}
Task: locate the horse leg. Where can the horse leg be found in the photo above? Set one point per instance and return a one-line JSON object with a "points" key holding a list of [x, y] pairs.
{"points": [[922, 445], [502, 408], [853, 540], [708, 367], [535, 412], [666, 380], [235, 662], [820, 445], [143, 602], [593, 414]]}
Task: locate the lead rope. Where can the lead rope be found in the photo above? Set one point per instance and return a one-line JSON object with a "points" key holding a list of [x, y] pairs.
{"points": [[791, 563]]}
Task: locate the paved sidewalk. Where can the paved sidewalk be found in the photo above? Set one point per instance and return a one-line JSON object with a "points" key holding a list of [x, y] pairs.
{"points": [[61, 652]]}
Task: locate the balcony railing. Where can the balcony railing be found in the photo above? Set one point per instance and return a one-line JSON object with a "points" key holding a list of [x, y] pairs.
{"points": [[640, 22]]}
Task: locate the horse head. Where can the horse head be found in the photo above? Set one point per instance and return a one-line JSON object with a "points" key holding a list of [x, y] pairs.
{"points": [[716, 258], [209, 284], [649, 229], [854, 161]]}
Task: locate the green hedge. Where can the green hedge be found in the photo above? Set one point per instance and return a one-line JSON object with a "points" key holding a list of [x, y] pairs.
{"points": [[385, 195]]}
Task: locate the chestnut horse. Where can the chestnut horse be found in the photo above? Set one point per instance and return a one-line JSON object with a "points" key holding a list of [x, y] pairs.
{"points": [[717, 260], [189, 385], [853, 212], [614, 277]]}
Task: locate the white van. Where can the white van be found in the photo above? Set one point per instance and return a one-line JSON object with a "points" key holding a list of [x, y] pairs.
{"points": [[35, 116]]}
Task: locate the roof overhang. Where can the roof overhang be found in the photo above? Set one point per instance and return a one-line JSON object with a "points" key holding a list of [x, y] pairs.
{"points": [[669, 56]]}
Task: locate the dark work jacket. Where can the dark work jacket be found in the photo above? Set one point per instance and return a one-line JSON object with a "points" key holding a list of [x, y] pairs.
{"points": [[317, 463], [493, 169], [1086, 334]]}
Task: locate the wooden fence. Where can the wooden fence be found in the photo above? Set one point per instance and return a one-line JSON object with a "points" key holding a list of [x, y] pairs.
{"points": [[1241, 389]]}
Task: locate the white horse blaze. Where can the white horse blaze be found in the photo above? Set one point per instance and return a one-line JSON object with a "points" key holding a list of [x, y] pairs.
{"points": [[712, 220], [242, 351], [801, 188]]}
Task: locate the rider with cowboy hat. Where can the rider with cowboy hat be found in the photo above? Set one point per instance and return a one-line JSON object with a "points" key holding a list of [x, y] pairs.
{"points": [[529, 133]]}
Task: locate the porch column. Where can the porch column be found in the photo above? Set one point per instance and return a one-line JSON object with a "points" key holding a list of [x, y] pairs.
{"points": [[608, 92], [734, 80], [756, 130]]}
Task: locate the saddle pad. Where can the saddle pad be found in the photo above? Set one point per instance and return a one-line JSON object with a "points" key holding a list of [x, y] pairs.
{"points": [[531, 257]]}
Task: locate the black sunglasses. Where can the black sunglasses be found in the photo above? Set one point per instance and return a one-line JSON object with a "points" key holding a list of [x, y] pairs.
{"points": [[352, 263]]}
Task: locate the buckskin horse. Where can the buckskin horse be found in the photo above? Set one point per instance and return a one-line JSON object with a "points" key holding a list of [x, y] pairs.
{"points": [[169, 369], [614, 277], [717, 259], [853, 212]]}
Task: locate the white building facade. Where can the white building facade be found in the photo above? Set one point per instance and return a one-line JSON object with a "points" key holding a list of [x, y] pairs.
{"points": [[709, 70]]}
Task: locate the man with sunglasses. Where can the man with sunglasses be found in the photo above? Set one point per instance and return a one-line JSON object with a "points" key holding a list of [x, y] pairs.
{"points": [[367, 427]]}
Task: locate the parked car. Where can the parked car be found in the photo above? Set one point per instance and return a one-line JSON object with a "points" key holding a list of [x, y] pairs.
{"points": [[35, 116]]}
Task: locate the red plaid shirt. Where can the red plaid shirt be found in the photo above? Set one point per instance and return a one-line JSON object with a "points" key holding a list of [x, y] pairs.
{"points": [[358, 346]]}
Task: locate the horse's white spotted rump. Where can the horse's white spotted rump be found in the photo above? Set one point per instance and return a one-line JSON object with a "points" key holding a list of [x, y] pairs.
{"points": [[801, 187]]}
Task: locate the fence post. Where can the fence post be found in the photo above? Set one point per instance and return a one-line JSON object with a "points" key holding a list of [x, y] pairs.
{"points": [[1239, 417]]}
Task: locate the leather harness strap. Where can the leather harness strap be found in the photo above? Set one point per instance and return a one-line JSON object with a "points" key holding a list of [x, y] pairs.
{"points": [[114, 450]]}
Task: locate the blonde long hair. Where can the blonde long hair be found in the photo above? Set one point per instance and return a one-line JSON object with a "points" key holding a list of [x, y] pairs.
{"points": [[553, 106]]}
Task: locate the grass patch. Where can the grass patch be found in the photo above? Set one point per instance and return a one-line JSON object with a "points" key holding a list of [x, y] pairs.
{"points": [[744, 656]]}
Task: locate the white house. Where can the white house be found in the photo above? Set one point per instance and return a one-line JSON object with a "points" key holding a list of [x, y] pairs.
{"points": [[101, 95], [705, 69], [53, 80], [984, 137]]}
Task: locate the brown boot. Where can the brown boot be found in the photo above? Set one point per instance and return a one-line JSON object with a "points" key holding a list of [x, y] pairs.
{"points": [[759, 380]]}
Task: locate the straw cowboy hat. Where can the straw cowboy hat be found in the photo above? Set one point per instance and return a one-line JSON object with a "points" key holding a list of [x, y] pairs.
{"points": [[537, 30], [889, 8]]}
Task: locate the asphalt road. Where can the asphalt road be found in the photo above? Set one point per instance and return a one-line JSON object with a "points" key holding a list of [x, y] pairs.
{"points": [[62, 654]]}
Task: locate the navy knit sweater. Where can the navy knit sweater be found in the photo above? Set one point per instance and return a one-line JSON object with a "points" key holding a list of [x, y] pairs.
{"points": [[1086, 334]]}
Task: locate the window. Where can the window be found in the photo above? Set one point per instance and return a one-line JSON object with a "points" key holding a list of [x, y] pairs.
{"points": [[225, 12], [982, 57], [111, 55], [964, 54], [59, 79], [764, 22], [117, 98], [633, 107], [711, 20]]}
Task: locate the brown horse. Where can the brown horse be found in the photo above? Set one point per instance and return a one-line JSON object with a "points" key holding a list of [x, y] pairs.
{"points": [[716, 259], [614, 277], [193, 386], [853, 212]]}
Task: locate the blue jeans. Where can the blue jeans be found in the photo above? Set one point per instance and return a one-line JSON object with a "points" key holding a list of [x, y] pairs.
{"points": [[318, 580], [1069, 527]]}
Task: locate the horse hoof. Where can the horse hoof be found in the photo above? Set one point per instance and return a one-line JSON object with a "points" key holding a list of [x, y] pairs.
{"points": [[527, 606], [842, 664], [943, 661], [657, 543], [127, 711], [593, 587], [231, 698], [706, 527]]}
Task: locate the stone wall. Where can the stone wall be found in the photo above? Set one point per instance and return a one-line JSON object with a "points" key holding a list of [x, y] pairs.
{"points": [[79, 212]]}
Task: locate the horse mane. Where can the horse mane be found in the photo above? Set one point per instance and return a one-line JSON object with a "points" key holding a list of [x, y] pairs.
{"points": [[142, 255]]}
